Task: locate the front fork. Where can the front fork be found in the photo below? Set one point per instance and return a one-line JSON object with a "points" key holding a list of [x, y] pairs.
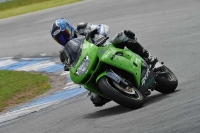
{"points": [[115, 77], [147, 80]]}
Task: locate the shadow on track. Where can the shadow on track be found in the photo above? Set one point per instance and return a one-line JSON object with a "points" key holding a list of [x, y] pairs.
{"points": [[157, 98], [118, 109], [115, 110]]}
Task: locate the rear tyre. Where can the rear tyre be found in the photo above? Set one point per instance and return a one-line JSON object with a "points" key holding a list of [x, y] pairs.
{"points": [[127, 97], [167, 82]]}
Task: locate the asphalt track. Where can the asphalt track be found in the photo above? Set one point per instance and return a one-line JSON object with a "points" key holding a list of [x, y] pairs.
{"points": [[168, 29]]}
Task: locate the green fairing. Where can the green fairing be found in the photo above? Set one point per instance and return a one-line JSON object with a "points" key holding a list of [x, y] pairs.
{"points": [[90, 50], [99, 56], [101, 75], [129, 62]]}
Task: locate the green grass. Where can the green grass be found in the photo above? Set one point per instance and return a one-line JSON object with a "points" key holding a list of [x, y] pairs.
{"points": [[17, 7], [17, 87]]}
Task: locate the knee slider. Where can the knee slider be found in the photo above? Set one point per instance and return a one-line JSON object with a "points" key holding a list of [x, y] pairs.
{"points": [[129, 34]]}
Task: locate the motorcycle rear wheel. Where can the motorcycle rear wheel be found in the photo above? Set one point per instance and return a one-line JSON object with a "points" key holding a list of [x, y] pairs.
{"points": [[130, 98], [167, 82]]}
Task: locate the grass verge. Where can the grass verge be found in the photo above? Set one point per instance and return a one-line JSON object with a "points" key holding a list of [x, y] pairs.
{"points": [[17, 7], [17, 87]]}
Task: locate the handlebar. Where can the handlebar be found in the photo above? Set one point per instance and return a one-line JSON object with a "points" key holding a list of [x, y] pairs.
{"points": [[101, 42]]}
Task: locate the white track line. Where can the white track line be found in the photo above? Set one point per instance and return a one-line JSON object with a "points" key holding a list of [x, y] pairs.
{"points": [[15, 114], [71, 87], [36, 66], [7, 62]]}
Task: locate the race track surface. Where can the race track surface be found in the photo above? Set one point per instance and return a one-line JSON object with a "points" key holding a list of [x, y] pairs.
{"points": [[169, 29]]}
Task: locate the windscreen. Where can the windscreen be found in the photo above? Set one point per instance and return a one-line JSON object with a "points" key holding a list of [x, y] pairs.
{"points": [[73, 49]]}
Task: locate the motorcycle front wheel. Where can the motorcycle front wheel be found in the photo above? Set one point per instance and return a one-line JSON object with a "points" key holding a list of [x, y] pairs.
{"points": [[129, 97], [167, 81]]}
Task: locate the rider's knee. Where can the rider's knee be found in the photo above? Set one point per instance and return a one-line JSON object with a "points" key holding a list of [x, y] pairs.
{"points": [[124, 36], [129, 34]]}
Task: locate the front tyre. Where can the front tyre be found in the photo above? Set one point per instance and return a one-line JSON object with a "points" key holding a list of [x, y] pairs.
{"points": [[129, 97], [167, 81]]}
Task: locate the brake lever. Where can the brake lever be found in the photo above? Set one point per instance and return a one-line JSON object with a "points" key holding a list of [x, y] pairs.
{"points": [[102, 42]]}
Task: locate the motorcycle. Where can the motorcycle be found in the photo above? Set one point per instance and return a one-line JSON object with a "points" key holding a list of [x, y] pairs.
{"points": [[118, 74]]}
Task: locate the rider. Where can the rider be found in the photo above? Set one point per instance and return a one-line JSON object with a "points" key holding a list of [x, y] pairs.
{"points": [[62, 31]]}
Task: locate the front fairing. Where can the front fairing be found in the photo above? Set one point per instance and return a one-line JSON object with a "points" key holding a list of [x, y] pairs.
{"points": [[128, 61], [109, 55], [88, 50]]}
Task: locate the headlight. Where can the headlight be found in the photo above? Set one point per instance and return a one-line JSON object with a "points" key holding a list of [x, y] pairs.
{"points": [[83, 66]]}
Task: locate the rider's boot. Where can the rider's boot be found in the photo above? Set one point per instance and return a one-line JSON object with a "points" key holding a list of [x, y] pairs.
{"points": [[138, 49], [150, 59], [98, 100]]}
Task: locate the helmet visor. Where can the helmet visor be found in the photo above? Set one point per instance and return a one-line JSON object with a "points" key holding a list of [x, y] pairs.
{"points": [[62, 38]]}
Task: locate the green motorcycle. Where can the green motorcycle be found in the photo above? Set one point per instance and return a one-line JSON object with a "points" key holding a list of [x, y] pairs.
{"points": [[117, 74]]}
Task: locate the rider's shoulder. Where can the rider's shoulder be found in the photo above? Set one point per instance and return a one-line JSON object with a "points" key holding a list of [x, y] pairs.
{"points": [[78, 38]]}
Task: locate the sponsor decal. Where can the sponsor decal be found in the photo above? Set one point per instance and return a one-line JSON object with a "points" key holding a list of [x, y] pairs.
{"points": [[56, 32], [145, 77]]}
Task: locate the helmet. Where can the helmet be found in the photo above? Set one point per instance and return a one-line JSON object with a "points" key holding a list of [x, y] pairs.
{"points": [[62, 31]]}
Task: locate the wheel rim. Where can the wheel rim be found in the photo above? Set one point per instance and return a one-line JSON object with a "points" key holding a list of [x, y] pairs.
{"points": [[168, 75], [128, 89], [132, 93]]}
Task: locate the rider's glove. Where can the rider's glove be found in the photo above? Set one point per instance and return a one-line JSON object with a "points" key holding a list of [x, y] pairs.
{"points": [[66, 67]]}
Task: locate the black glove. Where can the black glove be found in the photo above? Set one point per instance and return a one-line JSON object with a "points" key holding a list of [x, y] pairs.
{"points": [[66, 67]]}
